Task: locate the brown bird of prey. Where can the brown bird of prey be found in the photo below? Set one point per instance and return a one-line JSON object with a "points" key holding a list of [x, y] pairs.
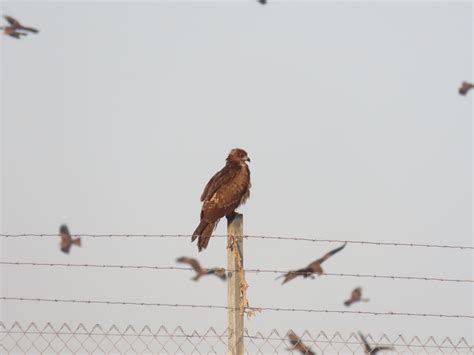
{"points": [[66, 239], [298, 344], [370, 350], [228, 189], [356, 296], [200, 271], [313, 268], [15, 26], [465, 87]]}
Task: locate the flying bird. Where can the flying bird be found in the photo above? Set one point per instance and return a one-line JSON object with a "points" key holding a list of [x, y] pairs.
{"points": [[66, 239], [465, 87], [200, 271], [298, 344], [228, 189], [313, 268], [370, 350], [356, 296], [18, 26], [263, 2]]}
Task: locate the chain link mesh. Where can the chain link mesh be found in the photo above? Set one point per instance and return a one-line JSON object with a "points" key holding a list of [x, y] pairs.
{"points": [[65, 339]]}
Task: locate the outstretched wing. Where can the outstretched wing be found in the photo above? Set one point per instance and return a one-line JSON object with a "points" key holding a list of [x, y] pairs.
{"points": [[290, 275], [29, 29], [219, 272], [191, 262], [332, 252], [11, 21], [367, 347], [16, 35], [465, 87]]}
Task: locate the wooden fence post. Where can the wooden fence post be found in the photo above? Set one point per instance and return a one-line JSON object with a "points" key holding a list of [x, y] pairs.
{"points": [[235, 315]]}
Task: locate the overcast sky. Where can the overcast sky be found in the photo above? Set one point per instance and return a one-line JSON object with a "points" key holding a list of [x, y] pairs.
{"points": [[116, 115]]}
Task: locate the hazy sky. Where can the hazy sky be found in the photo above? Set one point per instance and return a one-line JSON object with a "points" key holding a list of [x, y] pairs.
{"points": [[115, 116]]}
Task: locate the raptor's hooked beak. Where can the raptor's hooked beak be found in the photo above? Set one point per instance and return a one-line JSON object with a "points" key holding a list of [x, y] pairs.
{"points": [[248, 159]]}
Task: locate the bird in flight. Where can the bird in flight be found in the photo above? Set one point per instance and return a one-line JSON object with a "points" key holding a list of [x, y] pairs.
{"points": [[465, 87], [200, 271], [228, 189], [66, 239], [14, 27], [370, 350], [263, 2], [356, 296], [298, 344], [313, 268]]}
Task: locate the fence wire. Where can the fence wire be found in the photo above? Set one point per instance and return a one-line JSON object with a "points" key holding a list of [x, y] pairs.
{"points": [[255, 271], [252, 309], [80, 339]]}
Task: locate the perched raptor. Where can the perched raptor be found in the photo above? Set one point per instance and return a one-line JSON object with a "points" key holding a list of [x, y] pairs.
{"points": [[313, 268], [369, 350], [66, 239], [465, 87], [298, 344], [356, 296], [16, 26], [228, 189], [200, 271]]}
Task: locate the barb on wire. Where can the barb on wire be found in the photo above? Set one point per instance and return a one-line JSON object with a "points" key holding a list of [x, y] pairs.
{"points": [[274, 309], [314, 240], [256, 271]]}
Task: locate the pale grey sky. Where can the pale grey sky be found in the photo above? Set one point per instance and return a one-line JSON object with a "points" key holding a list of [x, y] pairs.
{"points": [[116, 115]]}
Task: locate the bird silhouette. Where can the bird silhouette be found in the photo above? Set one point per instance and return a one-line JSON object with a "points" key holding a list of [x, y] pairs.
{"points": [[370, 350], [18, 26], [313, 268], [66, 239], [200, 271], [298, 344], [263, 2], [356, 296], [465, 87]]}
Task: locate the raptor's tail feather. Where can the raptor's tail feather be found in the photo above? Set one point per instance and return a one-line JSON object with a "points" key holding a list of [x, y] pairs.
{"points": [[77, 242], [204, 232]]}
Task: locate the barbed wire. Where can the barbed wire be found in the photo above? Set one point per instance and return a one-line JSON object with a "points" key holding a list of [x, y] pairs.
{"points": [[256, 271], [255, 309], [361, 242]]}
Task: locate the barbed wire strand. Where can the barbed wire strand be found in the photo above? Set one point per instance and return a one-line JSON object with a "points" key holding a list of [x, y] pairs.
{"points": [[362, 242], [256, 271], [257, 309]]}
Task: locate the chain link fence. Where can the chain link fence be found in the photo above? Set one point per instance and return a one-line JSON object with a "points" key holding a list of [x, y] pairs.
{"points": [[47, 339]]}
